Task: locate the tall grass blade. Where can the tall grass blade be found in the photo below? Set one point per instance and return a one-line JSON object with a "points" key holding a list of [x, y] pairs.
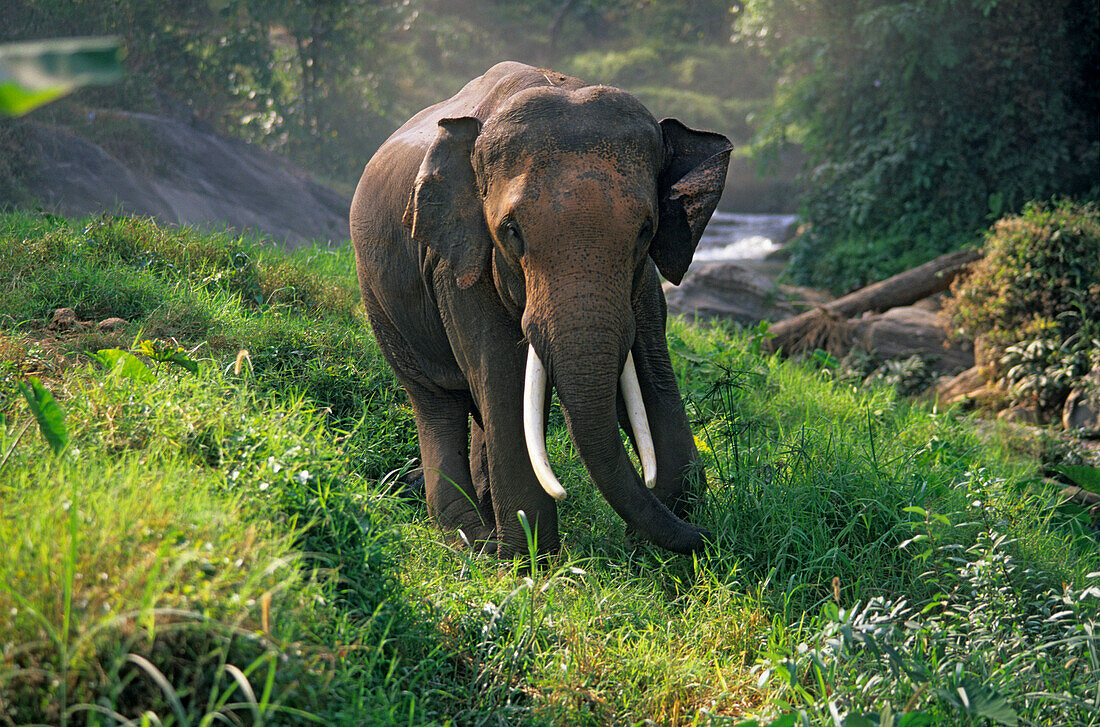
{"points": [[161, 681], [246, 687], [118, 719], [14, 442]]}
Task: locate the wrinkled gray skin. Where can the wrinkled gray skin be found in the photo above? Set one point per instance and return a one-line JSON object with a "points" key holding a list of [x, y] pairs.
{"points": [[534, 208]]}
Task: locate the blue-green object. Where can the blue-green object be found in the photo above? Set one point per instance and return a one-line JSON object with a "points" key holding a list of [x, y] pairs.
{"points": [[33, 73]]}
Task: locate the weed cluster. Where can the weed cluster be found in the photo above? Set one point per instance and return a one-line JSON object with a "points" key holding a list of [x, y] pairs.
{"points": [[994, 628]]}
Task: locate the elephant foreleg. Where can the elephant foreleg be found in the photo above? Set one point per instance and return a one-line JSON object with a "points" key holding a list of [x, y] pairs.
{"points": [[512, 481], [442, 424]]}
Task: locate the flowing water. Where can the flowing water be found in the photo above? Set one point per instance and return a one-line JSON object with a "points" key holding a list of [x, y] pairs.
{"points": [[736, 236]]}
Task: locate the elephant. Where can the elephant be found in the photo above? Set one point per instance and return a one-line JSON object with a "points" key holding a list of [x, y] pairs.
{"points": [[507, 243]]}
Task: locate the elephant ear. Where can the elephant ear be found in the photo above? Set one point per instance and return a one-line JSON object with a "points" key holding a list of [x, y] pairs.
{"points": [[445, 211], [689, 187]]}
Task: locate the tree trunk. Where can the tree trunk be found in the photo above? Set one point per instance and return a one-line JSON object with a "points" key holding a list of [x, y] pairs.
{"points": [[826, 326], [555, 29]]}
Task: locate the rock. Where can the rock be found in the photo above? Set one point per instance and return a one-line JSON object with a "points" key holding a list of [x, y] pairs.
{"points": [[64, 319], [736, 292], [110, 325], [180, 173], [1082, 408], [1019, 414], [953, 389], [909, 330], [969, 389], [932, 304], [989, 397]]}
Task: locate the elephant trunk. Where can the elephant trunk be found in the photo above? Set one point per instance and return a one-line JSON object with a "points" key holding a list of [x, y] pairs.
{"points": [[587, 382], [534, 414]]}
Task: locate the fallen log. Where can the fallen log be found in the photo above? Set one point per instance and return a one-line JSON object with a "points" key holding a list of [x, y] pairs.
{"points": [[826, 326]]}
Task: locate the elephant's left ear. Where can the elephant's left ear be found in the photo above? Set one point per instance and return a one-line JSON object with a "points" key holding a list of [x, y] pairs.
{"points": [[689, 188], [445, 211]]}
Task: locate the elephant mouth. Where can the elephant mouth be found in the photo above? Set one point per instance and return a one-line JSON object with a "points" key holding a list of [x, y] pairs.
{"points": [[534, 417]]}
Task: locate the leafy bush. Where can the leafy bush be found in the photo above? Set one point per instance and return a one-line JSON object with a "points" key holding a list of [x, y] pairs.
{"points": [[1044, 370], [1033, 301], [908, 376]]}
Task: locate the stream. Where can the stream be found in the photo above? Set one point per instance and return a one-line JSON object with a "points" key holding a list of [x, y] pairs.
{"points": [[739, 236]]}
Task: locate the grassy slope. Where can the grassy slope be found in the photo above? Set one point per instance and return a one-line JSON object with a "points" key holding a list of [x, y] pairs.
{"points": [[238, 526]]}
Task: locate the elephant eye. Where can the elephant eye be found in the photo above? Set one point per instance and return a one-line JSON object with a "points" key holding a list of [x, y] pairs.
{"points": [[510, 235]]}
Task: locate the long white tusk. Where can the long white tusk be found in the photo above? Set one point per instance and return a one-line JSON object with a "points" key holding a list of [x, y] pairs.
{"points": [[635, 410], [534, 399]]}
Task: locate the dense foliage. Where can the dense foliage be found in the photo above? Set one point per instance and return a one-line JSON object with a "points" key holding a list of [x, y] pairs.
{"points": [[924, 120], [1033, 301]]}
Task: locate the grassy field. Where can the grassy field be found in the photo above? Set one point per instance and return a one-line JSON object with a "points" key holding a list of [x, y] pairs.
{"points": [[215, 530]]}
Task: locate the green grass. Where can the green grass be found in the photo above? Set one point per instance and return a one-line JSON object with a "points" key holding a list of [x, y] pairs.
{"points": [[233, 546]]}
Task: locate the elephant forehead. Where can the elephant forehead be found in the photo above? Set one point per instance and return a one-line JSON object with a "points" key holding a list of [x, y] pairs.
{"points": [[550, 146], [556, 183], [543, 123]]}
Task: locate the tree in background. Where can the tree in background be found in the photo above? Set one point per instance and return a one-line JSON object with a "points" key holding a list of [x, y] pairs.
{"points": [[319, 80], [926, 120], [305, 78], [678, 58]]}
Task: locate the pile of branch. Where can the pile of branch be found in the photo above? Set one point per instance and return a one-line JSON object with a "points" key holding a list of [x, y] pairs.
{"points": [[827, 326]]}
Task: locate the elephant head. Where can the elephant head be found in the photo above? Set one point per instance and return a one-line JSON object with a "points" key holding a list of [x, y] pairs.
{"points": [[561, 200]]}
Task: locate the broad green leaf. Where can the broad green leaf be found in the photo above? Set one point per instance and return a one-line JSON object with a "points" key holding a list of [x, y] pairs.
{"points": [[1087, 478], [166, 353], [36, 72], [984, 701], [179, 358], [16, 100], [124, 363], [51, 420]]}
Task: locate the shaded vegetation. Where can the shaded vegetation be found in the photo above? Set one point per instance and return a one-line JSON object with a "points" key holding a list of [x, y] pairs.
{"points": [[927, 120], [233, 543]]}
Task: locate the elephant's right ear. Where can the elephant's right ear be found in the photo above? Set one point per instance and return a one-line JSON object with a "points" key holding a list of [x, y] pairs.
{"points": [[688, 191], [445, 212]]}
